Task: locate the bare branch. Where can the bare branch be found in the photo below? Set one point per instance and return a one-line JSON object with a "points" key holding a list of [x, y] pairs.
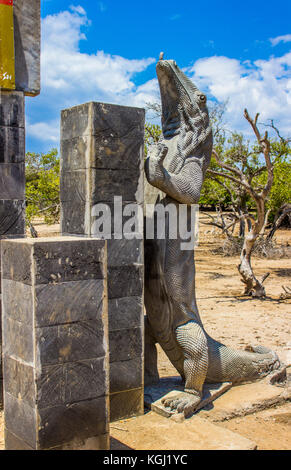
{"points": [[227, 167], [232, 178]]}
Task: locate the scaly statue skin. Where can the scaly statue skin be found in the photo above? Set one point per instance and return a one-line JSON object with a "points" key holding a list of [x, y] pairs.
{"points": [[176, 166]]}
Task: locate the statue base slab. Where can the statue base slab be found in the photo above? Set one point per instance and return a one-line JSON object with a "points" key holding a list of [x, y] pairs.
{"points": [[169, 386]]}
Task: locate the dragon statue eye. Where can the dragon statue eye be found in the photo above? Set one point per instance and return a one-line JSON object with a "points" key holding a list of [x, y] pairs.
{"points": [[202, 98]]}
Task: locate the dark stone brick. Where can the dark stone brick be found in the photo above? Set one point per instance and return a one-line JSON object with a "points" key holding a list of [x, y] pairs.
{"points": [[18, 340], [108, 183], [75, 121], [17, 301], [73, 186], [126, 404], [57, 261], [125, 281], [50, 386], [62, 424], [126, 375], [74, 153], [73, 217], [112, 151], [19, 380], [12, 145], [20, 419], [12, 181], [69, 343], [126, 312], [12, 109], [12, 218], [13, 442], [27, 46], [125, 344], [125, 252], [70, 302], [85, 380], [12, 268], [117, 122]]}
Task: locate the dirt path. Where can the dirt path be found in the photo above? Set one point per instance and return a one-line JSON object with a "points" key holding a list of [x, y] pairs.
{"points": [[238, 321]]}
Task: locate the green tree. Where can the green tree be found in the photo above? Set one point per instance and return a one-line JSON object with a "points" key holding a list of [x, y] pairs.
{"points": [[43, 186], [152, 135]]}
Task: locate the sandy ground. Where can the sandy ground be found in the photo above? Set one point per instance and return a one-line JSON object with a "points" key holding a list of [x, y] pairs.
{"points": [[238, 321]]}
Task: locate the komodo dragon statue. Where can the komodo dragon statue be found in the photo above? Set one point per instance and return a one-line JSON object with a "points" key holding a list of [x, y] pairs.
{"points": [[176, 166]]}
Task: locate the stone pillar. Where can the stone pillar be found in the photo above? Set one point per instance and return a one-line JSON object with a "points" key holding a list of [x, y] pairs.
{"points": [[26, 32], [55, 343], [12, 172], [102, 158]]}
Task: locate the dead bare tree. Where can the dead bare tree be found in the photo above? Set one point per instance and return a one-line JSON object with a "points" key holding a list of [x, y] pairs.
{"points": [[254, 225], [284, 213], [286, 294]]}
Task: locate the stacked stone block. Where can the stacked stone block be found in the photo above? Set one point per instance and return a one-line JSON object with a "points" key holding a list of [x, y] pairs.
{"points": [[102, 157], [12, 172], [55, 343], [27, 31]]}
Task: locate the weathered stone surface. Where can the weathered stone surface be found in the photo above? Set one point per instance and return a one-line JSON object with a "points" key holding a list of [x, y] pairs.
{"points": [[107, 183], [62, 424], [153, 432], [73, 217], [20, 419], [17, 339], [126, 404], [12, 218], [18, 301], [56, 378], [126, 312], [12, 145], [54, 260], [125, 344], [74, 152], [12, 181], [27, 45], [69, 302], [12, 109], [126, 375], [125, 252], [76, 122], [125, 280], [69, 383], [12, 442], [69, 343], [73, 186], [19, 380]]}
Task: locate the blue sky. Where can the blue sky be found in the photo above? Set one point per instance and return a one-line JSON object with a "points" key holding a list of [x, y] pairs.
{"points": [[106, 51]]}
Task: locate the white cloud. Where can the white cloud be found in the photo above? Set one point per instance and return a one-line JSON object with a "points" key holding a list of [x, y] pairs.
{"points": [[45, 131], [71, 77], [262, 86], [278, 39]]}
